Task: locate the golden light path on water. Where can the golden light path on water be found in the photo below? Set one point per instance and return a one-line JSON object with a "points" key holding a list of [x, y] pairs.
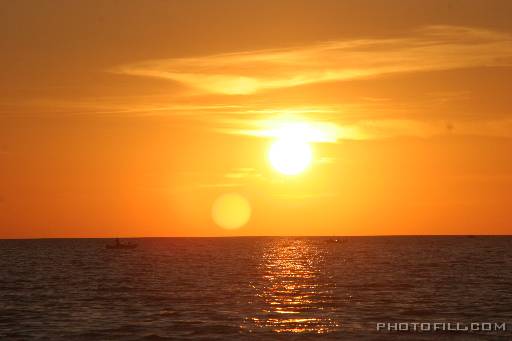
{"points": [[294, 294]]}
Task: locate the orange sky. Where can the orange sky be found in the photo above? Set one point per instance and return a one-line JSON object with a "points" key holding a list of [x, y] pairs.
{"points": [[131, 118]]}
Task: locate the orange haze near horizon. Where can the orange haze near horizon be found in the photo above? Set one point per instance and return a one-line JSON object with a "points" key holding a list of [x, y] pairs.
{"points": [[133, 118]]}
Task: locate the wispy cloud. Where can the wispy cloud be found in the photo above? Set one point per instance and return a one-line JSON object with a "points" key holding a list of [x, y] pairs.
{"points": [[305, 196], [243, 173], [217, 185], [388, 128], [379, 128], [277, 127], [429, 48]]}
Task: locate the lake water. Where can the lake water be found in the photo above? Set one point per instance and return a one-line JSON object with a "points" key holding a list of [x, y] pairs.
{"points": [[254, 288]]}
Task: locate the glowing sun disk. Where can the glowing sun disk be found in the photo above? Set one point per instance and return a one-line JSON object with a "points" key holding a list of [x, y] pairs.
{"points": [[290, 156]]}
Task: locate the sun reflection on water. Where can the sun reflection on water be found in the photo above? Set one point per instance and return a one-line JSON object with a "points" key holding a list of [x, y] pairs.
{"points": [[294, 293]]}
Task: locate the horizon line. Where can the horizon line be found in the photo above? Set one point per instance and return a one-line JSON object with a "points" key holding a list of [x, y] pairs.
{"points": [[269, 236]]}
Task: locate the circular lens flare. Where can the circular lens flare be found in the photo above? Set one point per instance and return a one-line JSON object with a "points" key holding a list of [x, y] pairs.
{"points": [[231, 211]]}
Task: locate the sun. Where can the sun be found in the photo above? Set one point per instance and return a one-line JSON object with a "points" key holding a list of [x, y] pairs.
{"points": [[290, 157], [291, 153]]}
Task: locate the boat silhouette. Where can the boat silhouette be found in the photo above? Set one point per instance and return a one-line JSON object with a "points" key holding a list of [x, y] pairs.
{"points": [[334, 240], [121, 246]]}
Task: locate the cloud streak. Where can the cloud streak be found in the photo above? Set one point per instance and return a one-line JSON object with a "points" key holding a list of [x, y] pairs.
{"points": [[371, 129], [429, 48]]}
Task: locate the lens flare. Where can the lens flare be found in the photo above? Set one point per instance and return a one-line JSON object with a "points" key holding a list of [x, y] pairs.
{"points": [[231, 211]]}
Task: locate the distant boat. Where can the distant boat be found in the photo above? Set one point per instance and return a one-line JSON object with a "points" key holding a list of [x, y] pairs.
{"points": [[334, 240], [121, 246]]}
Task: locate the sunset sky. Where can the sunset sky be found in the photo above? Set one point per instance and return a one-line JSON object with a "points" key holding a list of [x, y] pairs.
{"points": [[132, 118]]}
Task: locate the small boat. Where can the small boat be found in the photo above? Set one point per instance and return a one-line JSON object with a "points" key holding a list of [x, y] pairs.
{"points": [[334, 240], [121, 246]]}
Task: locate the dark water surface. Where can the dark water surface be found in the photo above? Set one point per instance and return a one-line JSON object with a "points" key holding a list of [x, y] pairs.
{"points": [[261, 288]]}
